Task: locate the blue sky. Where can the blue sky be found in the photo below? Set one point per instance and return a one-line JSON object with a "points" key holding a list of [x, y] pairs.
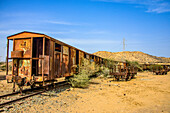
{"points": [[92, 25]]}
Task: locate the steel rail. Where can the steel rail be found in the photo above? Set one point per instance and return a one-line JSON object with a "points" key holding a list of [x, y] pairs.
{"points": [[14, 93], [24, 97]]}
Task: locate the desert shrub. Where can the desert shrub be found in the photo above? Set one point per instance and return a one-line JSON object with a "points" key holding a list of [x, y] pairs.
{"points": [[134, 64], [3, 67], [86, 69], [81, 80], [105, 71], [109, 63], [1, 63]]}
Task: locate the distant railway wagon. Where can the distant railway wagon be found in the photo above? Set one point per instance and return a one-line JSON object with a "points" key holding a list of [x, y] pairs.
{"points": [[157, 68], [123, 71], [40, 59], [163, 70]]}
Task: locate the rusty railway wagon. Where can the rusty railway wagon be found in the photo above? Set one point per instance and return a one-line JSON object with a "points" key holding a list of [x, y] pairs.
{"points": [[41, 59], [123, 71], [161, 71]]}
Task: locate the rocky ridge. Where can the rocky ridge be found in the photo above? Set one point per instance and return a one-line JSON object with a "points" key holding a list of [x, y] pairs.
{"points": [[132, 56]]}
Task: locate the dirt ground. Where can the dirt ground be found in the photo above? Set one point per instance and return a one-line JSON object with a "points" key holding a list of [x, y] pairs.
{"points": [[146, 93]]}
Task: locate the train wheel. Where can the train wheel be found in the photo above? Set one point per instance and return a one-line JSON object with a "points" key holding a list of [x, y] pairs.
{"points": [[126, 78], [32, 86], [117, 78], [132, 77]]}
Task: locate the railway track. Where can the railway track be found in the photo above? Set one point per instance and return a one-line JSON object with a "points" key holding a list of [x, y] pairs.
{"points": [[6, 100], [18, 92]]}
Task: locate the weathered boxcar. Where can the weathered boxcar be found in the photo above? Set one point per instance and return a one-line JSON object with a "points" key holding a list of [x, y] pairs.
{"points": [[40, 59], [123, 71]]}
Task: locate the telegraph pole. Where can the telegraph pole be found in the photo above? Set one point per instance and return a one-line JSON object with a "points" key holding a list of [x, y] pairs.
{"points": [[123, 48]]}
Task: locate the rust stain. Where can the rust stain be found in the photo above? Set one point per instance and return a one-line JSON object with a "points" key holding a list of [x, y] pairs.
{"points": [[25, 46], [24, 68]]}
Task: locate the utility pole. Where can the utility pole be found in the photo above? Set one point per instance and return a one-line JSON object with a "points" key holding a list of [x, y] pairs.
{"points": [[123, 49]]}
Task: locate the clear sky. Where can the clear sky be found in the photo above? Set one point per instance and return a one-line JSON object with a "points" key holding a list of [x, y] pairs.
{"points": [[92, 25]]}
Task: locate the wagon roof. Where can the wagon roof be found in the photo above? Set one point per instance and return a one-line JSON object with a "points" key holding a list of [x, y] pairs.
{"points": [[28, 34], [25, 34]]}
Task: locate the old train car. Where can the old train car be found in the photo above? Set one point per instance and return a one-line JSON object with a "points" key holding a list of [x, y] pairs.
{"points": [[40, 59], [157, 68], [123, 71]]}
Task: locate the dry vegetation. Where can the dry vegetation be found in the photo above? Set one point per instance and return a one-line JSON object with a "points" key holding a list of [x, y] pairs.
{"points": [[132, 56], [3, 66]]}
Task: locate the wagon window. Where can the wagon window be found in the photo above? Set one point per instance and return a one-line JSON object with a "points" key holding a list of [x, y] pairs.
{"points": [[84, 55], [57, 47]]}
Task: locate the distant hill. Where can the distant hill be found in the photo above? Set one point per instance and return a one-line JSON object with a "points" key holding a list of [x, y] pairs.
{"points": [[132, 56]]}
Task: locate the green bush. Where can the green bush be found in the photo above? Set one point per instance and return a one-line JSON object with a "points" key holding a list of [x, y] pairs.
{"points": [[80, 80], [134, 64], [1, 63], [105, 71], [86, 69], [109, 63]]}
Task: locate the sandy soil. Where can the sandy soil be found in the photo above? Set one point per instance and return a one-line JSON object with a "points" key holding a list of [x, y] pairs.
{"points": [[147, 93]]}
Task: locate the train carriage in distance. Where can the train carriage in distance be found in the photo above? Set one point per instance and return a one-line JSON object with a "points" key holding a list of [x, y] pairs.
{"points": [[40, 59]]}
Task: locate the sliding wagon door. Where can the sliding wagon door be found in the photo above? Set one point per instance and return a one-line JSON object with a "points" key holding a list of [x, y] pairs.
{"points": [[57, 60], [65, 64]]}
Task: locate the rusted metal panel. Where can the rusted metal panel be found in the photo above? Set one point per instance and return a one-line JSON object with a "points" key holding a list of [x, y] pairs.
{"points": [[57, 60], [46, 64], [65, 62], [73, 61], [24, 68], [73, 56], [81, 57], [65, 50], [17, 54], [23, 45], [65, 65]]}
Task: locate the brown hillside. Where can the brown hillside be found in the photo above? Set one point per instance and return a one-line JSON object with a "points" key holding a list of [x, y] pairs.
{"points": [[132, 56]]}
